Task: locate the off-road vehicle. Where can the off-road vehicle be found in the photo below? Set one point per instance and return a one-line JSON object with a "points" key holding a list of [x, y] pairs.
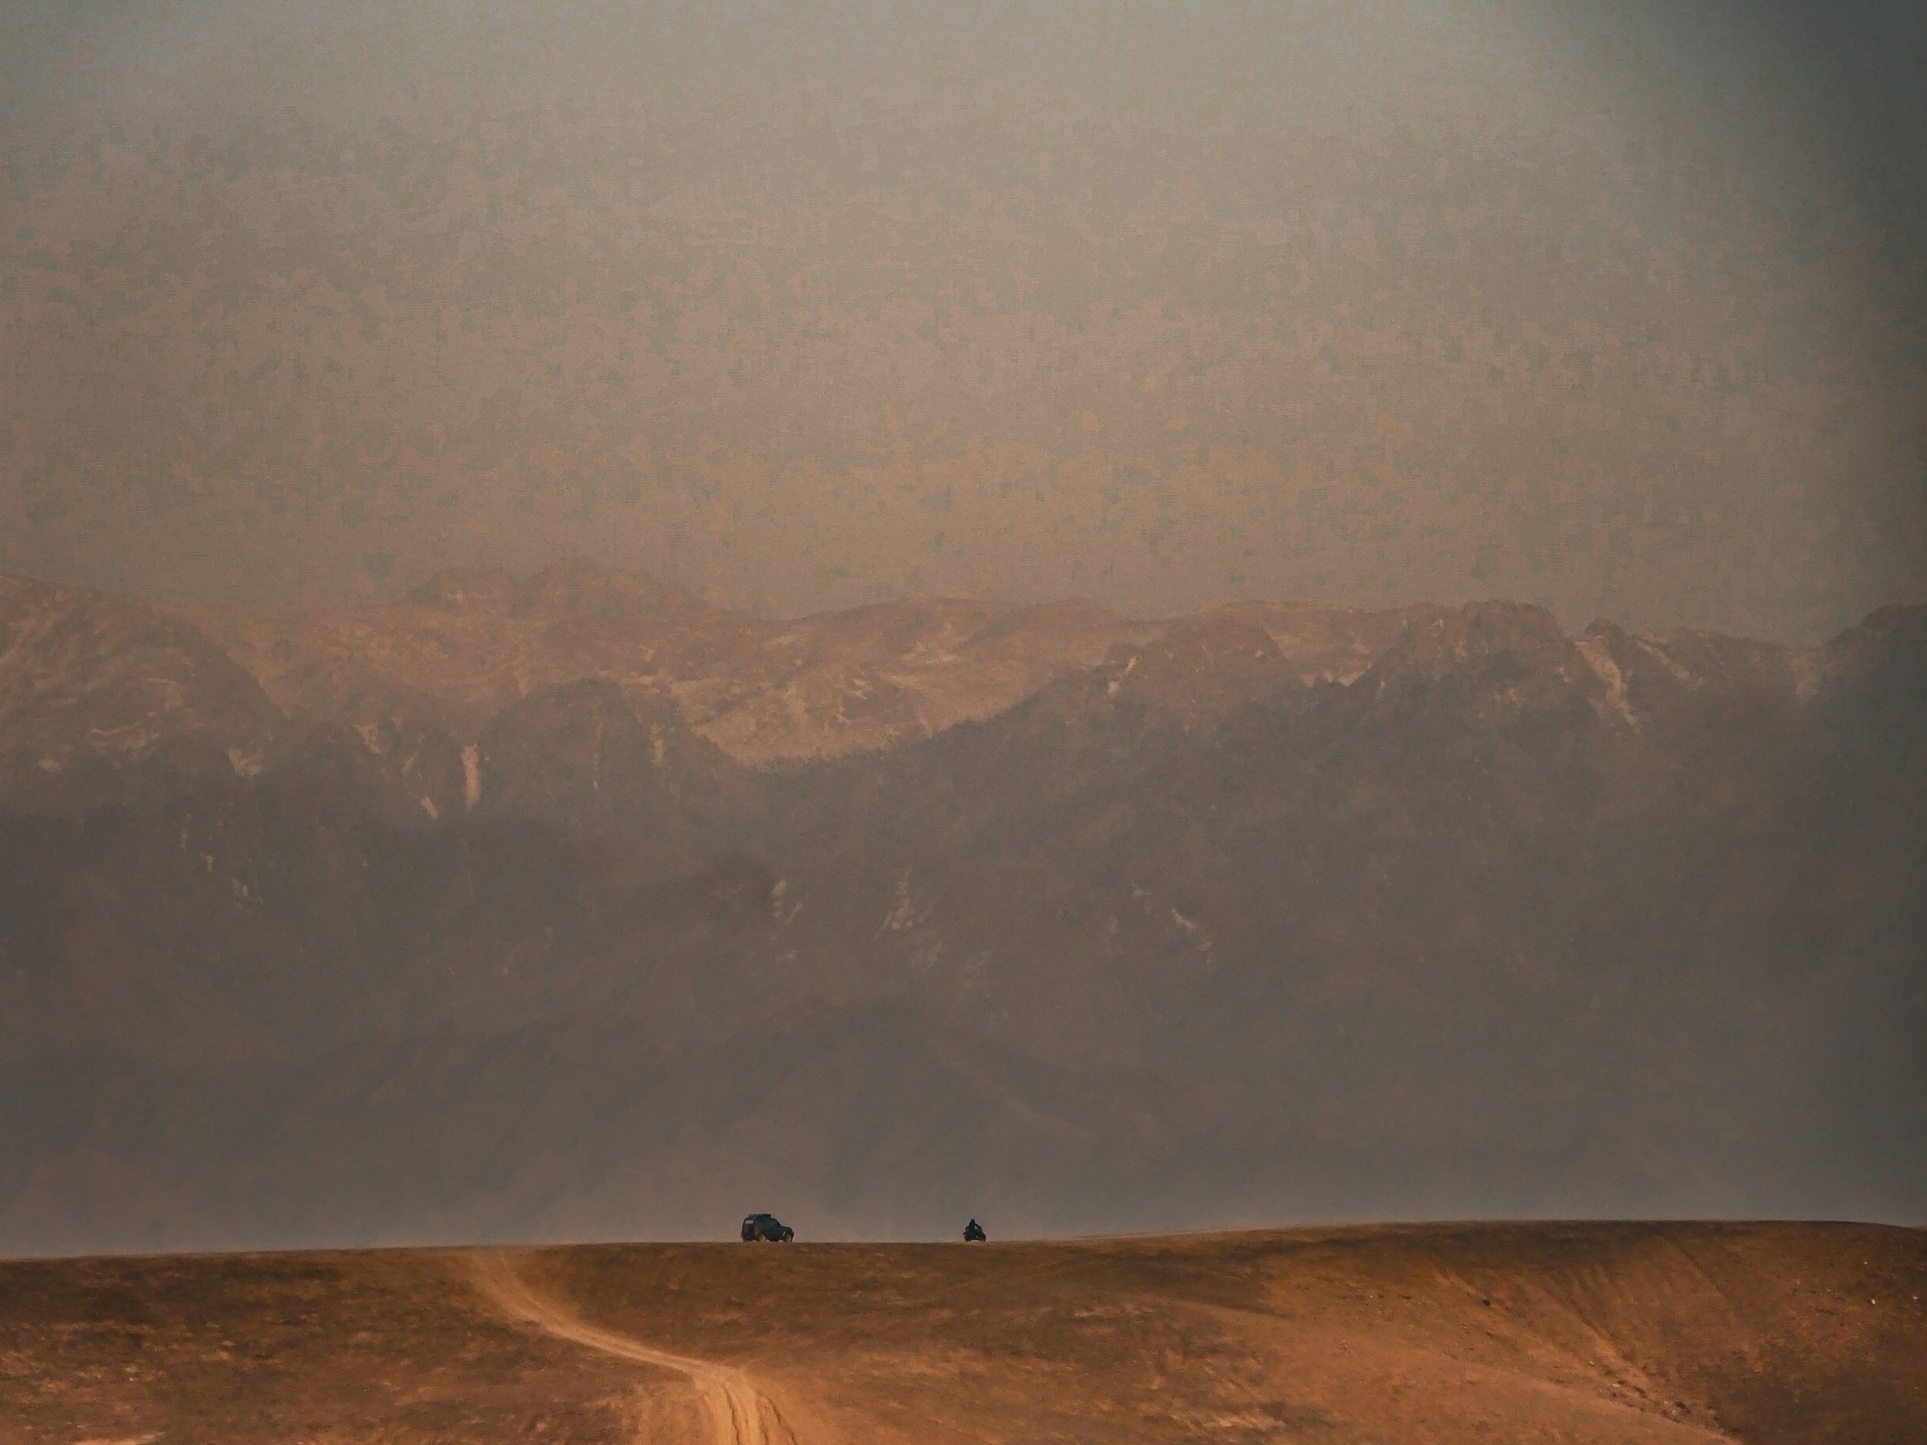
{"points": [[766, 1227]]}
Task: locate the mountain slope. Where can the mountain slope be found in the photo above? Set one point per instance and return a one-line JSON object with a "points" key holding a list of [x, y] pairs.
{"points": [[1508, 922]]}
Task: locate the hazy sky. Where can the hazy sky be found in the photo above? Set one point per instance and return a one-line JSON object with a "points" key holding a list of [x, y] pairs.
{"points": [[1619, 307]]}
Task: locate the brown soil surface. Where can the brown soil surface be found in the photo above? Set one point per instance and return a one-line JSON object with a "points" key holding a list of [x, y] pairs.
{"points": [[1764, 1333]]}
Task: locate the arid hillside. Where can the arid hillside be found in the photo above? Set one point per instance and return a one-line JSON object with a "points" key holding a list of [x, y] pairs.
{"points": [[567, 907], [1593, 1334]]}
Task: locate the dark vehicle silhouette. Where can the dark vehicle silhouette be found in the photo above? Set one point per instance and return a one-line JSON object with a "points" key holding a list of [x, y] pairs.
{"points": [[766, 1227], [974, 1233]]}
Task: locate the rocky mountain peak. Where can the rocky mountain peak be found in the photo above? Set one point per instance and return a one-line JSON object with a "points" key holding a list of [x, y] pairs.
{"points": [[1891, 642], [1491, 664], [1466, 641], [1325, 641], [1681, 679], [1199, 670], [100, 694]]}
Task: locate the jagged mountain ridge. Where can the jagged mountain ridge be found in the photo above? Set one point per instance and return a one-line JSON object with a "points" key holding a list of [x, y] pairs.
{"points": [[1210, 928], [463, 646], [453, 654]]}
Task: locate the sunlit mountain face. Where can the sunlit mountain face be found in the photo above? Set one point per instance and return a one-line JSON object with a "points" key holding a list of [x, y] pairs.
{"points": [[566, 905]]}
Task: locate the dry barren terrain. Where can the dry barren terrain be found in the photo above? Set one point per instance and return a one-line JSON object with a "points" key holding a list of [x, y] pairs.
{"points": [[1543, 1332]]}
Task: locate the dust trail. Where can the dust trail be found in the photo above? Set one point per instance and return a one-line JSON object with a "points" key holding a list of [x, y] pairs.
{"points": [[736, 1408]]}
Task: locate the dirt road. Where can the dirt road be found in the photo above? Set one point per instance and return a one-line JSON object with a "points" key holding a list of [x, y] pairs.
{"points": [[1586, 1333], [739, 1414]]}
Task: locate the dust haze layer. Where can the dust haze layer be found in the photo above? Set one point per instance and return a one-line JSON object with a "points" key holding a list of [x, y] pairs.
{"points": [[566, 906], [1612, 308]]}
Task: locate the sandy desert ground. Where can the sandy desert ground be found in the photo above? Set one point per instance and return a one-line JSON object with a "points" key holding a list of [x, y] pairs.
{"points": [[1763, 1333]]}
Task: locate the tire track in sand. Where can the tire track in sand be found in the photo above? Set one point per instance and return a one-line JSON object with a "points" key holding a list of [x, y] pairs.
{"points": [[736, 1408]]}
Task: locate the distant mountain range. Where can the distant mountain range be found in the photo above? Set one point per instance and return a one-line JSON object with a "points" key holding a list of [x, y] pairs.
{"points": [[572, 907]]}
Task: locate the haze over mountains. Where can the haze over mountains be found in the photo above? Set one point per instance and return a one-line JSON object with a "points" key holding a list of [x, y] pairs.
{"points": [[813, 303], [568, 906]]}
